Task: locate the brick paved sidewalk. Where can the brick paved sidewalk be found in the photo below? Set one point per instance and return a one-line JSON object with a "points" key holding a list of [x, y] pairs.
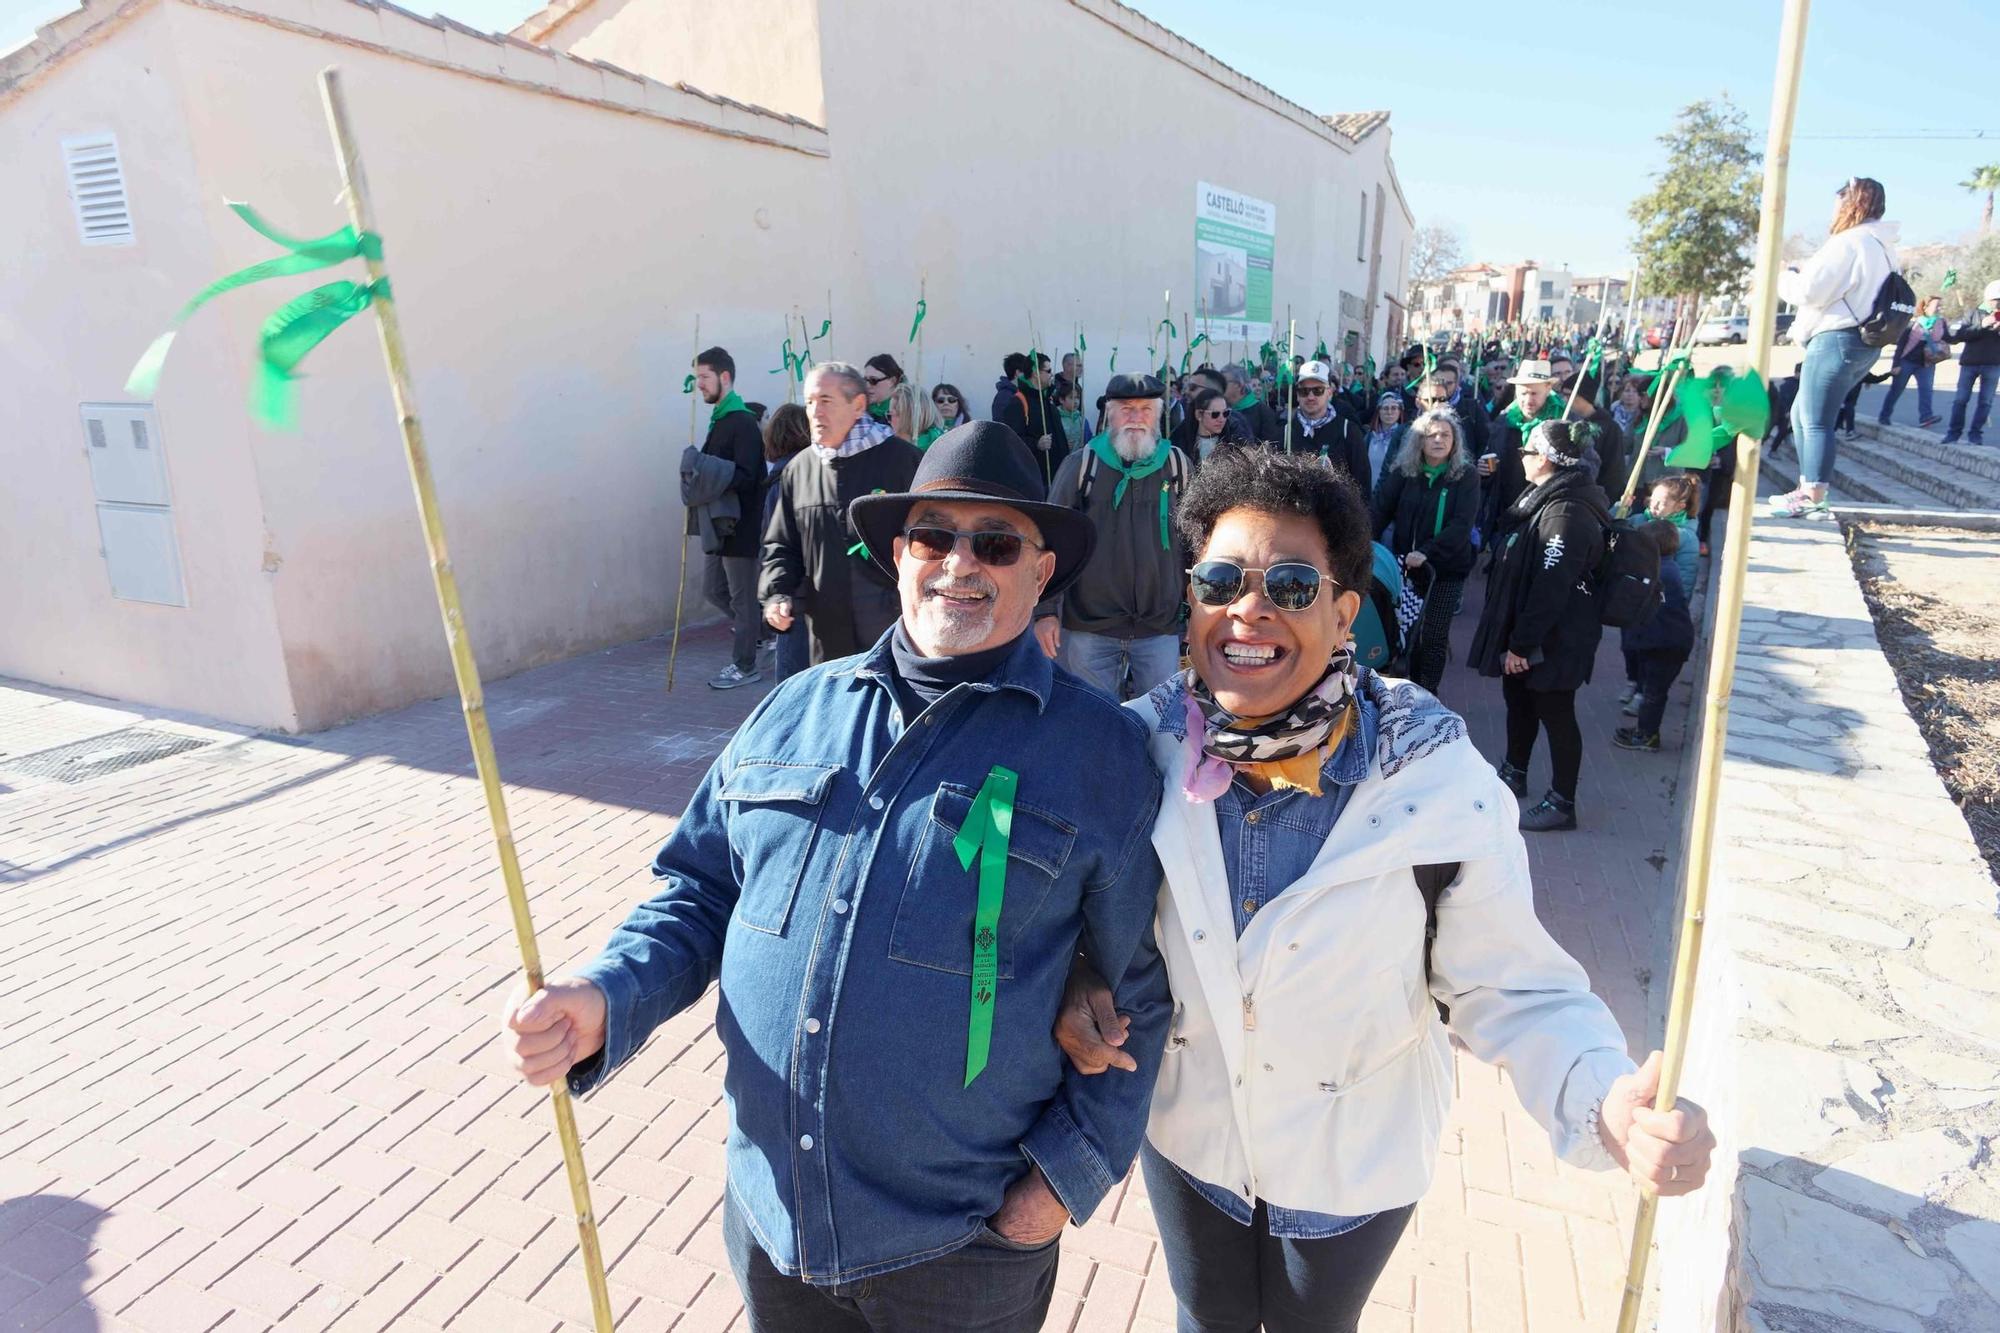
{"points": [[250, 1079]]}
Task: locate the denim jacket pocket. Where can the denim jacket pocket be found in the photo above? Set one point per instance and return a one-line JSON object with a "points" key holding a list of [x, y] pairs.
{"points": [[934, 920], [774, 815]]}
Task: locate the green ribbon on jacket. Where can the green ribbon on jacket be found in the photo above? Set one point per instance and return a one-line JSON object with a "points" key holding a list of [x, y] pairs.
{"points": [[1127, 472], [292, 330], [984, 837]]}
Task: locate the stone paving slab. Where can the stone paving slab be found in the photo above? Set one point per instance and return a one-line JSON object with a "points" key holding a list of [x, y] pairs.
{"points": [[252, 1079]]}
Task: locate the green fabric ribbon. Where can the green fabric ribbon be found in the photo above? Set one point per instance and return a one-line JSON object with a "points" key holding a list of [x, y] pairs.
{"points": [[1950, 280], [795, 365], [1128, 472], [923, 308], [687, 385], [1432, 475], [295, 328], [984, 836], [1320, 353], [825, 327], [1082, 343], [1551, 411], [729, 402], [1246, 402], [1187, 357], [1745, 409]]}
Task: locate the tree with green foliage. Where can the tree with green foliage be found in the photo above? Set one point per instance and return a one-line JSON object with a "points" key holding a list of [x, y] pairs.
{"points": [[1698, 223], [1983, 180]]}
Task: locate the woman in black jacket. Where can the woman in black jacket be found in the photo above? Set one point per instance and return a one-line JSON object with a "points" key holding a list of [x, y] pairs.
{"points": [[1208, 426], [1430, 496], [1539, 630]]}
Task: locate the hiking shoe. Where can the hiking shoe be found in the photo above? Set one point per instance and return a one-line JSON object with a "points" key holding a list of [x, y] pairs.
{"points": [[1632, 705], [1629, 738], [1631, 693], [732, 676], [1515, 778], [1551, 814]]}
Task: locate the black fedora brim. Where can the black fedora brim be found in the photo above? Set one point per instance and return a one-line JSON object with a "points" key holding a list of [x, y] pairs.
{"points": [[1067, 533]]}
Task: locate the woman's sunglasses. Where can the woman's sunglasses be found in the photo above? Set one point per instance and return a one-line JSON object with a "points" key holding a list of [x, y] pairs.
{"points": [[998, 549], [1291, 585]]}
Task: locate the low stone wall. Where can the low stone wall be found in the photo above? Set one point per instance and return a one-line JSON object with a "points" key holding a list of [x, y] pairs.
{"points": [[1847, 1034]]}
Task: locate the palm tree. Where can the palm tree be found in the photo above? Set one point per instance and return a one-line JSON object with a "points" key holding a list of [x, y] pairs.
{"points": [[1983, 180]]}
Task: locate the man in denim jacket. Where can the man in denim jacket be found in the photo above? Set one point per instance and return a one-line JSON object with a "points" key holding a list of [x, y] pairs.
{"points": [[905, 1140]]}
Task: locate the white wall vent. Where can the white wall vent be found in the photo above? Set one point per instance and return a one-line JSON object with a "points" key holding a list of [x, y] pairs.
{"points": [[97, 189]]}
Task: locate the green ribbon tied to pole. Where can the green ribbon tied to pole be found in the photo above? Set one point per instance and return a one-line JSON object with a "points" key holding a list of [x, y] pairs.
{"points": [[1187, 357], [984, 837], [1082, 343], [794, 363], [292, 330], [923, 308], [825, 327], [687, 385], [1742, 408], [1950, 280]]}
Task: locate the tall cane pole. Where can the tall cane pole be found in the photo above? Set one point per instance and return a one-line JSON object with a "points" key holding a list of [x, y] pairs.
{"points": [[1292, 383], [1658, 414], [681, 574], [471, 697], [1728, 617], [923, 303]]}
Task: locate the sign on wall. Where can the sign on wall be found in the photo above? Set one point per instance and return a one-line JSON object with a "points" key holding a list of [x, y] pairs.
{"points": [[1234, 239]]}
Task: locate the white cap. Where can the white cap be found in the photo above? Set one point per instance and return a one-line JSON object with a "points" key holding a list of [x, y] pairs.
{"points": [[1992, 292], [1318, 371]]}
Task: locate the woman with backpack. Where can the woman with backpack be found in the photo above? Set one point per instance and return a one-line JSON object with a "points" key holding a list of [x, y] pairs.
{"points": [[1429, 495], [1316, 822], [1539, 630], [1835, 291]]}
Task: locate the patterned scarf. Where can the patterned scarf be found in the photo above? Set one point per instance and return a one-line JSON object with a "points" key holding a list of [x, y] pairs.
{"points": [[1287, 749], [867, 433]]}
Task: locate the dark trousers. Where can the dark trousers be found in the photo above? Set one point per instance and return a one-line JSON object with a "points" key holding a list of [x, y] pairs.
{"points": [[1659, 668], [1530, 712], [1715, 484], [1229, 1278], [1432, 632], [730, 585], [989, 1286]]}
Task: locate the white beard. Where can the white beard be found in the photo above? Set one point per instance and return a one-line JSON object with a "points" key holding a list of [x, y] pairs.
{"points": [[1133, 443], [944, 629]]}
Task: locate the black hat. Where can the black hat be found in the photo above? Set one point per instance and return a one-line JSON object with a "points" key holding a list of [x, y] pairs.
{"points": [[1133, 386], [986, 463]]}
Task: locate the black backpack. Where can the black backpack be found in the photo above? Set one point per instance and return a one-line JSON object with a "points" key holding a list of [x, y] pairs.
{"points": [[1627, 582], [1895, 306], [1432, 881]]}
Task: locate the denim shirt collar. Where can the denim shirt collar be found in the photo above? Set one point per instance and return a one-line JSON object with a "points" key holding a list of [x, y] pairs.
{"points": [[1027, 669]]}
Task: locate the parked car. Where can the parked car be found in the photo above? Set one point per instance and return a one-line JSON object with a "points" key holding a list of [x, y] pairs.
{"points": [[1722, 329]]}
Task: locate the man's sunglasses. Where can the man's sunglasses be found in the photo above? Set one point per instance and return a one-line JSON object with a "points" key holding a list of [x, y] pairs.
{"points": [[1291, 585], [998, 549], [1311, 390]]}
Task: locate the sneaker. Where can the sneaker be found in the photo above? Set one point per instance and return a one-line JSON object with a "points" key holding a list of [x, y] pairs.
{"points": [[1632, 705], [1951, 439], [1551, 814], [1928, 422], [1704, 548], [1630, 693], [1629, 738], [1802, 506], [732, 676], [1515, 778]]}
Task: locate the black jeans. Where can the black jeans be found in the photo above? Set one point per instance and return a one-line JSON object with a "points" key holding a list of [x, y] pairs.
{"points": [[1432, 632], [1229, 1278], [990, 1286], [1530, 712], [1715, 484], [1658, 669]]}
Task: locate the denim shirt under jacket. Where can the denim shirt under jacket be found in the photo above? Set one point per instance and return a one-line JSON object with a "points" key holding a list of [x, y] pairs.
{"points": [[813, 876]]}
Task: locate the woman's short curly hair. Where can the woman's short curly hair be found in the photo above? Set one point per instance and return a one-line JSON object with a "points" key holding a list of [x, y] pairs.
{"points": [[1268, 482]]}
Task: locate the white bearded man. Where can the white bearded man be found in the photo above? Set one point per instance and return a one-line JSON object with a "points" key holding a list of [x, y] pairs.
{"points": [[1118, 626]]}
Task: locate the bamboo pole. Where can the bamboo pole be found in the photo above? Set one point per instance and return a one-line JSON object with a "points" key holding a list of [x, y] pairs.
{"points": [[1041, 403], [1291, 384], [681, 574], [791, 380], [829, 326], [1660, 400], [471, 697], [923, 304], [1728, 619]]}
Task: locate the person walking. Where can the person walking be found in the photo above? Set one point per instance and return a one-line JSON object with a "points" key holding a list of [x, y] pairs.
{"points": [[1339, 866], [787, 434], [729, 564], [1023, 402], [1978, 364], [1119, 625], [1428, 503], [883, 375], [1919, 350], [1834, 290], [815, 564], [1539, 629], [1209, 425], [905, 1143]]}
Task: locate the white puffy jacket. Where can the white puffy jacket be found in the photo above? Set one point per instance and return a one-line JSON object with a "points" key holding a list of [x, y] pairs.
{"points": [[1836, 288], [1306, 1064]]}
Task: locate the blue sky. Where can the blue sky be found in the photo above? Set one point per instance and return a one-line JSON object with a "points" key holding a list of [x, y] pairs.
{"points": [[1532, 127]]}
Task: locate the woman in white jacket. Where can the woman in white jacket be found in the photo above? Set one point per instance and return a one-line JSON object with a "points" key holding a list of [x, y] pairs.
{"points": [[1835, 291], [1311, 808]]}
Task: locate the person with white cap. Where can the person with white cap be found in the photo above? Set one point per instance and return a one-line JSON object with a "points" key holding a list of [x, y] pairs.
{"points": [[1320, 427], [1535, 400]]}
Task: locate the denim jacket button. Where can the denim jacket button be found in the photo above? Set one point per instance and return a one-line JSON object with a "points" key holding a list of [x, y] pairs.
{"points": [[812, 1025], [840, 907], [876, 802], [806, 1142]]}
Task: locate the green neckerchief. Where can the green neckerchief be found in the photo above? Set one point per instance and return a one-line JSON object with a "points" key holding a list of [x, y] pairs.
{"points": [[880, 411], [924, 438], [729, 402], [1100, 445], [1552, 410], [1248, 401], [1927, 322]]}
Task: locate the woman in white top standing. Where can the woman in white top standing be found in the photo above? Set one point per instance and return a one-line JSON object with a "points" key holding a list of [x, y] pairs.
{"points": [[1835, 291]]}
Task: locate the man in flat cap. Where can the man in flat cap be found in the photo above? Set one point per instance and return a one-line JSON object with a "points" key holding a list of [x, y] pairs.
{"points": [[1119, 625], [887, 873]]}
